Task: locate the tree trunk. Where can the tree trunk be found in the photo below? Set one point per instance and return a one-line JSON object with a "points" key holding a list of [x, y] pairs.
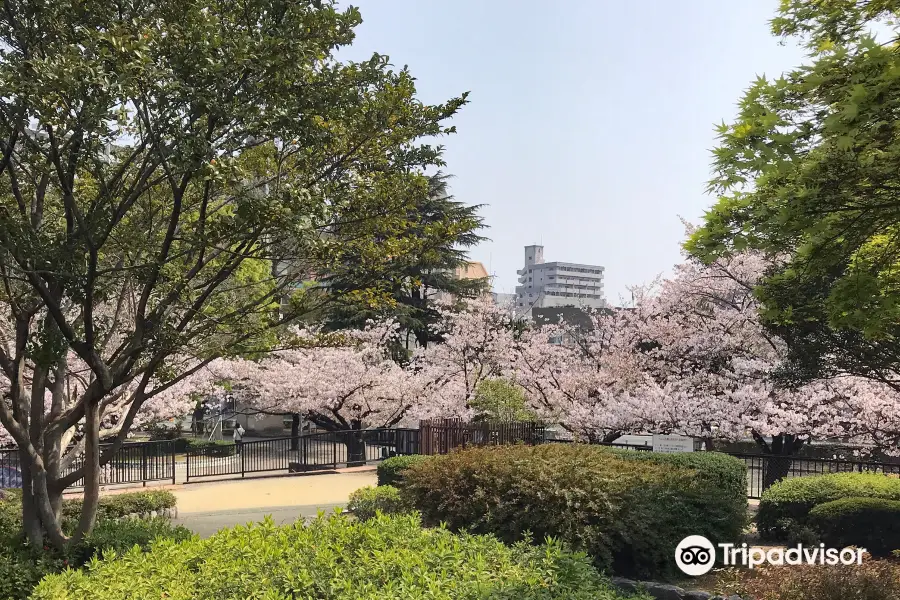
{"points": [[356, 448], [779, 453], [41, 497], [295, 431], [91, 470], [31, 522], [52, 457], [611, 437]]}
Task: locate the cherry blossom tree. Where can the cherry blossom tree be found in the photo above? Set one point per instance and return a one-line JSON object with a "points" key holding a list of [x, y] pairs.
{"points": [[477, 340], [344, 381], [692, 357], [347, 380], [583, 379]]}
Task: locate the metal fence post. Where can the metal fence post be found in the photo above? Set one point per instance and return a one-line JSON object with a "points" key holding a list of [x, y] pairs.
{"points": [[172, 452], [144, 464], [242, 449]]}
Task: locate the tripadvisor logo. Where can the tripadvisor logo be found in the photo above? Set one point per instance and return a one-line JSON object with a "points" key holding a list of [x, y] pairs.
{"points": [[695, 555]]}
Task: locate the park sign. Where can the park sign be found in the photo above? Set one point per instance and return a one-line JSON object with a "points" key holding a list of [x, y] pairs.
{"points": [[669, 444]]}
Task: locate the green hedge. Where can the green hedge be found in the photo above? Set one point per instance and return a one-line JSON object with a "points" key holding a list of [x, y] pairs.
{"points": [[628, 510], [784, 507], [337, 558], [21, 567], [121, 505], [870, 523], [366, 502], [390, 470], [209, 447]]}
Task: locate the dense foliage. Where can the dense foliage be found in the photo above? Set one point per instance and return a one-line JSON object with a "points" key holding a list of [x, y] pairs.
{"points": [[336, 558], [807, 171], [627, 511], [499, 400], [22, 566], [195, 173], [366, 502], [448, 228], [870, 523], [390, 470], [785, 506]]}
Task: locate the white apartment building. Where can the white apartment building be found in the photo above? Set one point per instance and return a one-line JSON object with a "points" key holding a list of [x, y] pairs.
{"points": [[544, 285]]}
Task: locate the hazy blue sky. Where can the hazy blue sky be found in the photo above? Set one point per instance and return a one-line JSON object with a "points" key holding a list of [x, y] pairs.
{"points": [[590, 121]]}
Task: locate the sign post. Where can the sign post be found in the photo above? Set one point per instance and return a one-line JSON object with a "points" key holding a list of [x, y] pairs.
{"points": [[669, 444]]}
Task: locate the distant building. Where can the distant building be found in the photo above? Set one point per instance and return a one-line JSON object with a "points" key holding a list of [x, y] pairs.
{"points": [[544, 285], [468, 270], [576, 320], [572, 316], [501, 299]]}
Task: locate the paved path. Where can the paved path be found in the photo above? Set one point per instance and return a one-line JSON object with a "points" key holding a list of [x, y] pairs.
{"points": [[206, 524], [207, 507]]}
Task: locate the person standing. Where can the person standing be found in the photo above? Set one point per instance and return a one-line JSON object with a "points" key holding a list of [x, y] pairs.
{"points": [[238, 437]]}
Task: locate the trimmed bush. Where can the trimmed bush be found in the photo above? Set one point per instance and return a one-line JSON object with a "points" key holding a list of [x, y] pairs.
{"points": [[784, 507], [209, 447], [121, 505], [870, 523], [337, 558], [368, 501], [725, 475], [627, 510], [390, 470]]}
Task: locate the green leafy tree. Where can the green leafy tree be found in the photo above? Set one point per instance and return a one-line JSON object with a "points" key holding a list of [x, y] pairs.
{"points": [[501, 400], [808, 175], [170, 172], [443, 229]]}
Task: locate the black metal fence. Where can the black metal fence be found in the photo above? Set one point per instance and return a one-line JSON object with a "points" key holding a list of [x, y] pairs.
{"points": [[764, 470], [308, 452], [143, 462], [138, 462]]}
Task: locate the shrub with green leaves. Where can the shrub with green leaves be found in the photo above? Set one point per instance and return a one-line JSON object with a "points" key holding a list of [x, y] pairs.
{"points": [[870, 523], [627, 510], [210, 447], [784, 507], [120, 536], [337, 558], [390, 470], [366, 502], [120, 505], [21, 567], [10, 514]]}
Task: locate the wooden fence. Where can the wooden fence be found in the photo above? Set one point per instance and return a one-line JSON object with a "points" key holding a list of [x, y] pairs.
{"points": [[440, 436]]}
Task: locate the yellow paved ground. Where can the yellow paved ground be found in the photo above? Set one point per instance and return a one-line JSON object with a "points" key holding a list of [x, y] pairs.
{"points": [[207, 507], [306, 490]]}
